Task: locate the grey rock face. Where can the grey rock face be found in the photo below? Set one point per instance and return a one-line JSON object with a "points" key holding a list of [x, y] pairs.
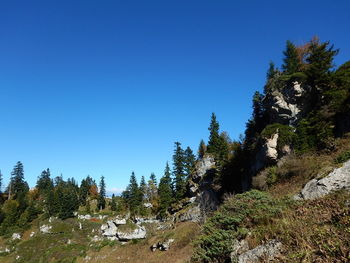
{"points": [[162, 246], [16, 236], [266, 252], [202, 167], [45, 229], [193, 214], [335, 181], [287, 104], [109, 229], [238, 248], [138, 233]]}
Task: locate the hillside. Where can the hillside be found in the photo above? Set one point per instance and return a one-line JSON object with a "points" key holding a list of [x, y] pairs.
{"points": [[279, 193]]}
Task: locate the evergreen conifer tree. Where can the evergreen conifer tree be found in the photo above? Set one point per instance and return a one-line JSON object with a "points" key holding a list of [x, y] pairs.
{"points": [[320, 61], [152, 189], [165, 192], [44, 182], [202, 149], [101, 202], [217, 145], [113, 204], [214, 136], [271, 72], [292, 63], [17, 184], [189, 162], [132, 195], [143, 188], [179, 172]]}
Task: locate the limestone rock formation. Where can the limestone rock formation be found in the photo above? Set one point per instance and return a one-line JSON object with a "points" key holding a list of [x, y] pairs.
{"points": [[336, 180], [138, 233], [263, 253], [203, 198], [288, 104]]}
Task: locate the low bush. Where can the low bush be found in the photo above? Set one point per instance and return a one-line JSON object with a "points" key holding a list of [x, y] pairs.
{"points": [[232, 221]]}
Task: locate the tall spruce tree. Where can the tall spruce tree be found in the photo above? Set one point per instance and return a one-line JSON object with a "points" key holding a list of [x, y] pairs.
{"points": [[189, 162], [320, 61], [271, 72], [17, 184], [292, 63], [44, 183], [202, 149], [214, 137], [165, 192], [101, 202], [152, 189], [132, 195], [113, 203], [179, 172], [217, 145], [143, 187], [84, 190]]}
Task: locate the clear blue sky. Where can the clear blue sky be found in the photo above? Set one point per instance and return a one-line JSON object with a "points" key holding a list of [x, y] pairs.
{"points": [[107, 87]]}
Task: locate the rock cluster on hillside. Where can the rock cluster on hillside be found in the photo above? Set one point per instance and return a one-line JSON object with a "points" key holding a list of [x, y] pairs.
{"points": [[337, 180]]}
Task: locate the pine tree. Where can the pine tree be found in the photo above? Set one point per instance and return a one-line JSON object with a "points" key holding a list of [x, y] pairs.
{"points": [[113, 204], [85, 187], [189, 162], [271, 72], [44, 182], [217, 145], [143, 187], [214, 136], [101, 202], [152, 189], [132, 195], [320, 62], [179, 186], [202, 149], [165, 192], [17, 184], [291, 61]]}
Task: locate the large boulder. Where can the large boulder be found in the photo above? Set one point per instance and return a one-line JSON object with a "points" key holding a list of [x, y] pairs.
{"points": [[263, 253], [109, 229], [336, 180], [138, 233], [192, 214], [45, 229]]}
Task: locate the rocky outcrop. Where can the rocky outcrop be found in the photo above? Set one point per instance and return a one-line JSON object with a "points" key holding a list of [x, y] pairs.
{"points": [[263, 253], [203, 199], [16, 236], [335, 181], [267, 154], [192, 214], [238, 248], [138, 233], [162, 246], [45, 229], [112, 231], [287, 104]]}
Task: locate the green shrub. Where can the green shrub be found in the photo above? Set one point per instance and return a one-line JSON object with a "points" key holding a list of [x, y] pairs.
{"points": [[272, 176], [343, 157], [232, 221], [286, 135]]}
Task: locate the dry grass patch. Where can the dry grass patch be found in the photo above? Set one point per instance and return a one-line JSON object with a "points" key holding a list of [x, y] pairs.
{"points": [[139, 251]]}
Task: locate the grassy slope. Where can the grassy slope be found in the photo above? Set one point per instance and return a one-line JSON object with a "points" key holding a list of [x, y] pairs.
{"points": [[55, 247], [139, 252], [311, 231]]}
